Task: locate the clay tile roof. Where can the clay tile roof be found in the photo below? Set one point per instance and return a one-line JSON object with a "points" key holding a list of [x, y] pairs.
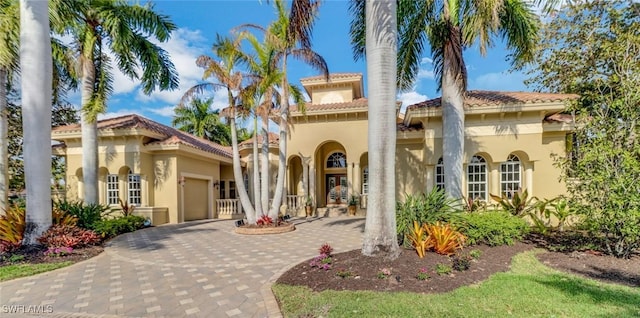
{"points": [[357, 103], [172, 135], [559, 118], [331, 76], [273, 139], [494, 98]]}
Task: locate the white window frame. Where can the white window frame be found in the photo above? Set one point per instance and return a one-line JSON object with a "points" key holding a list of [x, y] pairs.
{"points": [[510, 175], [113, 189], [477, 178], [134, 189], [439, 174], [365, 180]]}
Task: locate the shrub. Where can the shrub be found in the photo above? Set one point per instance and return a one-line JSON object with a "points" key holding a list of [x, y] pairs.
{"points": [[493, 228], [443, 269], [326, 249], [322, 261], [424, 208], [12, 225], [419, 239], [88, 215], [475, 254], [519, 204], [264, 220], [62, 217], [113, 227], [68, 236], [461, 262], [444, 239]]}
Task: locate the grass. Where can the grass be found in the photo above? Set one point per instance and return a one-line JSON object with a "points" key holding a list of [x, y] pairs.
{"points": [[21, 270], [529, 289]]}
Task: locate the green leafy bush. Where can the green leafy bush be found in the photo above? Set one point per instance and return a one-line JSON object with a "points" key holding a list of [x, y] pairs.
{"points": [[88, 214], [424, 208], [113, 227], [493, 228]]}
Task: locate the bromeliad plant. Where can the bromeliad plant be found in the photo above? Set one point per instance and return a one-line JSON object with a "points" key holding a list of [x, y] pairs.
{"points": [[519, 204], [419, 239], [445, 240], [323, 260], [12, 225], [264, 220]]}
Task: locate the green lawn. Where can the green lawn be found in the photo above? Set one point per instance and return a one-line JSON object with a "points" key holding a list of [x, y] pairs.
{"points": [[21, 270], [529, 289]]}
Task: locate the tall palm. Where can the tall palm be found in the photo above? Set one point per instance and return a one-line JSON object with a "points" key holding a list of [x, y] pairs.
{"points": [[290, 36], [450, 26], [226, 77], [36, 65], [124, 29], [380, 27], [198, 119], [9, 62]]}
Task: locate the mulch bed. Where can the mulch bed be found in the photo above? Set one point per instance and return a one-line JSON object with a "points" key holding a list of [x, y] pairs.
{"points": [[35, 255], [404, 270]]}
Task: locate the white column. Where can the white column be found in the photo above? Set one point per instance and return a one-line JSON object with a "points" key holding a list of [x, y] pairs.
{"points": [[305, 175], [429, 178], [528, 178], [357, 179], [312, 183], [350, 178], [494, 182]]}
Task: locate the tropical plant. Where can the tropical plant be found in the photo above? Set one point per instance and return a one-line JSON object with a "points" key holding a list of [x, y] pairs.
{"points": [[12, 226], [353, 200], [326, 249], [36, 91], [562, 210], [419, 238], [450, 26], [443, 269], [88, 214], [113, 227], [126, 30], [474, 205], [445, 239], [519, 204], [126, 208], [423, 274], [68, 236], [60, 217], [198, 119], [375, 24]]}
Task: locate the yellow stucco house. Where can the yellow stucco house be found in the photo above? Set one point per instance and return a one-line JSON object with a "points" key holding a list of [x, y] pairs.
{"points": [[172, 177]]}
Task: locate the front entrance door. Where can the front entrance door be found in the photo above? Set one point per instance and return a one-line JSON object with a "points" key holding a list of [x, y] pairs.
{"points": [[336, 189]]}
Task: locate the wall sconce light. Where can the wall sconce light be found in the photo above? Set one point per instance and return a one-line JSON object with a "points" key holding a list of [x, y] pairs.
{"points": [[216, 184], [181, 181]]}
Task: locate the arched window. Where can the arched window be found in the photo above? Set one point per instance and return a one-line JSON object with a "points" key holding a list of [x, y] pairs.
{"points": [[134, 188], [510, 176], [477, 178], [440, 174], [365, 180], [337, 160]]}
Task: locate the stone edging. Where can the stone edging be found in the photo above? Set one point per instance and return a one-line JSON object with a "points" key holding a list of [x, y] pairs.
{"points": [[265, 230]]}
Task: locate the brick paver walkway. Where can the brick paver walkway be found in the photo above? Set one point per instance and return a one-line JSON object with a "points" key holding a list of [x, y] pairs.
{"points": [[196, 269]]}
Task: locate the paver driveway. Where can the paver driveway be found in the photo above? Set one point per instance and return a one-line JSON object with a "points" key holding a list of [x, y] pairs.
{"points": [[196, 269]]}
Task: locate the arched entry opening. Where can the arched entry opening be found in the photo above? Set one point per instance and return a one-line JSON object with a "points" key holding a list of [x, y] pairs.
{"points": [[332, 185]]}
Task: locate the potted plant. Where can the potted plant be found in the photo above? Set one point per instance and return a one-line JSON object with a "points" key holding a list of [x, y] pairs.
{"points": [[353, 204], [308, 206]]}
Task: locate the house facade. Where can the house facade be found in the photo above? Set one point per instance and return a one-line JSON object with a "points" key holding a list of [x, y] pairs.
{"points": [[510, 141]]}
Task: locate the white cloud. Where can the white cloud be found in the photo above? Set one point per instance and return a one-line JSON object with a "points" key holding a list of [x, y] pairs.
{"points": [[426, 60], [501, 81], [184, 47], [120, 112], [425, 73], [410, 98], [166, 111]]}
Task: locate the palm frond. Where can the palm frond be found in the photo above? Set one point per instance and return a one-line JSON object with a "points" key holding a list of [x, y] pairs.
{"points": [[520, 26], [301, 18], [357, 30], [413, 19]]}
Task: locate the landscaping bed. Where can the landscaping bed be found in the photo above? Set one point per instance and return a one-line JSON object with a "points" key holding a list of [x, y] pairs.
{"points": [[36, 255]]}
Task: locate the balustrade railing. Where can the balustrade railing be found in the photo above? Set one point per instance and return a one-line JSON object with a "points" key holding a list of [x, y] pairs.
{"points": [[227, 208]]}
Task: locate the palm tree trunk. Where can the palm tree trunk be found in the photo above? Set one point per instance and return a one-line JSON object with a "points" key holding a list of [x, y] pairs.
{"points": [[237, 171], [452, 133], [264, 175], [380, 237], [256, 171], [36, 66], [4, 147], [282, 143], [89, 136]]}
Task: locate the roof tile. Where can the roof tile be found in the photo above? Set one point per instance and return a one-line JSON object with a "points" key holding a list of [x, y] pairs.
{"points": [[477, 98], [172, 135]]}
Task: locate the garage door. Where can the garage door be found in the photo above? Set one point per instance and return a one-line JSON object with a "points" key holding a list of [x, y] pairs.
{"points": [[195, 199]]}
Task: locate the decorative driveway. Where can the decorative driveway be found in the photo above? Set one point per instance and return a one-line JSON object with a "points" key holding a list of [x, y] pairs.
{"points": [[195, 269]]}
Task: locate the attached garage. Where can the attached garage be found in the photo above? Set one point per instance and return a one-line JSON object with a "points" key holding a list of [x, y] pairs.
{"points": [[196, 199]]}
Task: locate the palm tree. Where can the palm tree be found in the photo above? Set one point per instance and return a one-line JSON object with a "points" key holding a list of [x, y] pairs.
{"points": [[9, 60], [450, 26], [36, 65], [380, 27], [125, 29], [226, 77], [198, 119], [290, 36]]}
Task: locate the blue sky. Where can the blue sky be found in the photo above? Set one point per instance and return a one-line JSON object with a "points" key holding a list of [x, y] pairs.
{"points": [[199, 21]]}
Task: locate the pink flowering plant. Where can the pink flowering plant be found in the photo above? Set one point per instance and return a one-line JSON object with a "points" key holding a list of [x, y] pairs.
{"points": [[384, 273], [323, 260], [423, 274], [58, 251]]}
